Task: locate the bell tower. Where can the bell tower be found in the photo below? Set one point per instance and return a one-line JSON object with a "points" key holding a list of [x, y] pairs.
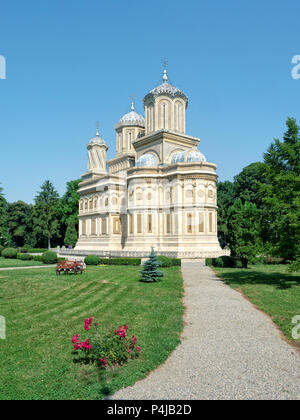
{"points": [[97, 149], [165, 108]]}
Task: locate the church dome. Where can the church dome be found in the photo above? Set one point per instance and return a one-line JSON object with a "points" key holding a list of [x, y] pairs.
{"points": [[188, 156], [165, 88], [147, 160], [132, 118], [196, 156], [97, 140]]}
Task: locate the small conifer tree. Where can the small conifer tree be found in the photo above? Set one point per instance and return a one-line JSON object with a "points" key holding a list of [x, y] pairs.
{"points": [[150, 272]]}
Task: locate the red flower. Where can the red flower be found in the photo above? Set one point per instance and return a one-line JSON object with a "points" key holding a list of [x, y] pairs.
{"points": [[103, 361], [138, 349], [121, 332], [88, 323], [75, 339]]}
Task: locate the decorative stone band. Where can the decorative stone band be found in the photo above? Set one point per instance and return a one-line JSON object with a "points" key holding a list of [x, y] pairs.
{"points": [[65, 252]]}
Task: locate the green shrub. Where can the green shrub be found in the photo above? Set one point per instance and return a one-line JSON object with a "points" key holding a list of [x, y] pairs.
{"points": [[49, 257], [25, 257], [37, 250], [294, 266], [23, 250], [38, 258], [169, 262], [164, 261], [209, 262], [224, 261], [120, 261], [1, 249], [9, 253], [218, 262], [92, 260]]}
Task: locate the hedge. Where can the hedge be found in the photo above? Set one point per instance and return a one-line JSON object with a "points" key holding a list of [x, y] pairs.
{"points": [[1, 249], [49, 257], [38, 258], [92, 260], [225, 261], [9, 253], [25, 257], [169, 262], [120, 261], [36, 250]]}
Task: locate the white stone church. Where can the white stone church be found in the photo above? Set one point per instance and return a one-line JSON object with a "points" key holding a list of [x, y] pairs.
{"points": [[158, 191]]}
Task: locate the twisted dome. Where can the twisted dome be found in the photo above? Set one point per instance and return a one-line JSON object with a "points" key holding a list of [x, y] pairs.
{"points": [[147, 160], [97, 140]]}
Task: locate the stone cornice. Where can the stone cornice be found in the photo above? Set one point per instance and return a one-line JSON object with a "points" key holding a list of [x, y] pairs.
{"points": [[166, 135]]}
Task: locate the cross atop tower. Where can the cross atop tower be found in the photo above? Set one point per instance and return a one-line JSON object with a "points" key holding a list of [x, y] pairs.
{"points": [[165, 76], [97, 125], [132, 102]]}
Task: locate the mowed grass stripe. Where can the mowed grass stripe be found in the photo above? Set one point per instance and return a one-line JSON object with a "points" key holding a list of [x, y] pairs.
{"points": [[67, 308], [36, 357]]}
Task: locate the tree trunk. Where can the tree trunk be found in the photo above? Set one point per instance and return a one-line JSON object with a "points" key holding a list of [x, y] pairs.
{"points": [[49, 243], [244, 262]]}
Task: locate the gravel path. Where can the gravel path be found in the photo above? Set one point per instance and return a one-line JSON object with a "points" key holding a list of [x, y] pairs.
{"points": [[229, 350]]}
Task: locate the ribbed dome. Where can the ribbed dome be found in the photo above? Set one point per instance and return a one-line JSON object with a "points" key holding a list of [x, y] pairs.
{"points": [[188, 156], [132, 118], [147, 160], [196, 156], [167, 88]]}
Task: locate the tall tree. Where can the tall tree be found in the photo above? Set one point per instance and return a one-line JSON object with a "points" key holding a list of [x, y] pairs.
{"points": [[5, 238], [243, 231], [280, 194], [45, 212], [18, 214], [247, 182], [68, 209], [225, 200]]}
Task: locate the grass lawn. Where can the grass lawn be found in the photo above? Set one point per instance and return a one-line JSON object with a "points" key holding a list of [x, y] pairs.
{"points": [[271, 288], [43, 311], [14, 262]]}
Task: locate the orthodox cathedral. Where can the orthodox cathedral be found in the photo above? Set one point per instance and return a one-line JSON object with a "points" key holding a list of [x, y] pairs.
{"points": [[158, 191]]}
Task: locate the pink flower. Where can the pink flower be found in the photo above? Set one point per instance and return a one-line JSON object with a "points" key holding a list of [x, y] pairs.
{"points": [[138, 349], [75, 339], [121, 332], [88, 323], [133, 341], [125, 327], [103, 361], [86, 345]]}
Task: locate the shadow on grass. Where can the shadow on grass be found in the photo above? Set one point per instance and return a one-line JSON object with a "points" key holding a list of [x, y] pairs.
{"points": [[239, 277]]}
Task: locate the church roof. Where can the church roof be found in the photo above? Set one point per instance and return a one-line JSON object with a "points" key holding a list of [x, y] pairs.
{"points": [[165, 87], [97, 140], [132, 118], [147, 160], [188, 156]]}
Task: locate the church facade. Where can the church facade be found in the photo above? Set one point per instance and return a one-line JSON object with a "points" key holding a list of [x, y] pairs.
{"points": [[158, 191]]}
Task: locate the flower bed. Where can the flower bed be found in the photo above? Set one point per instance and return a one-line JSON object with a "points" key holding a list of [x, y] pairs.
{"points": [[105, 348]]}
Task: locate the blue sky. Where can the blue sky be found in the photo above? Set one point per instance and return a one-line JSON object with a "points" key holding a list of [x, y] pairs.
{"points": [[72, 63]]}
